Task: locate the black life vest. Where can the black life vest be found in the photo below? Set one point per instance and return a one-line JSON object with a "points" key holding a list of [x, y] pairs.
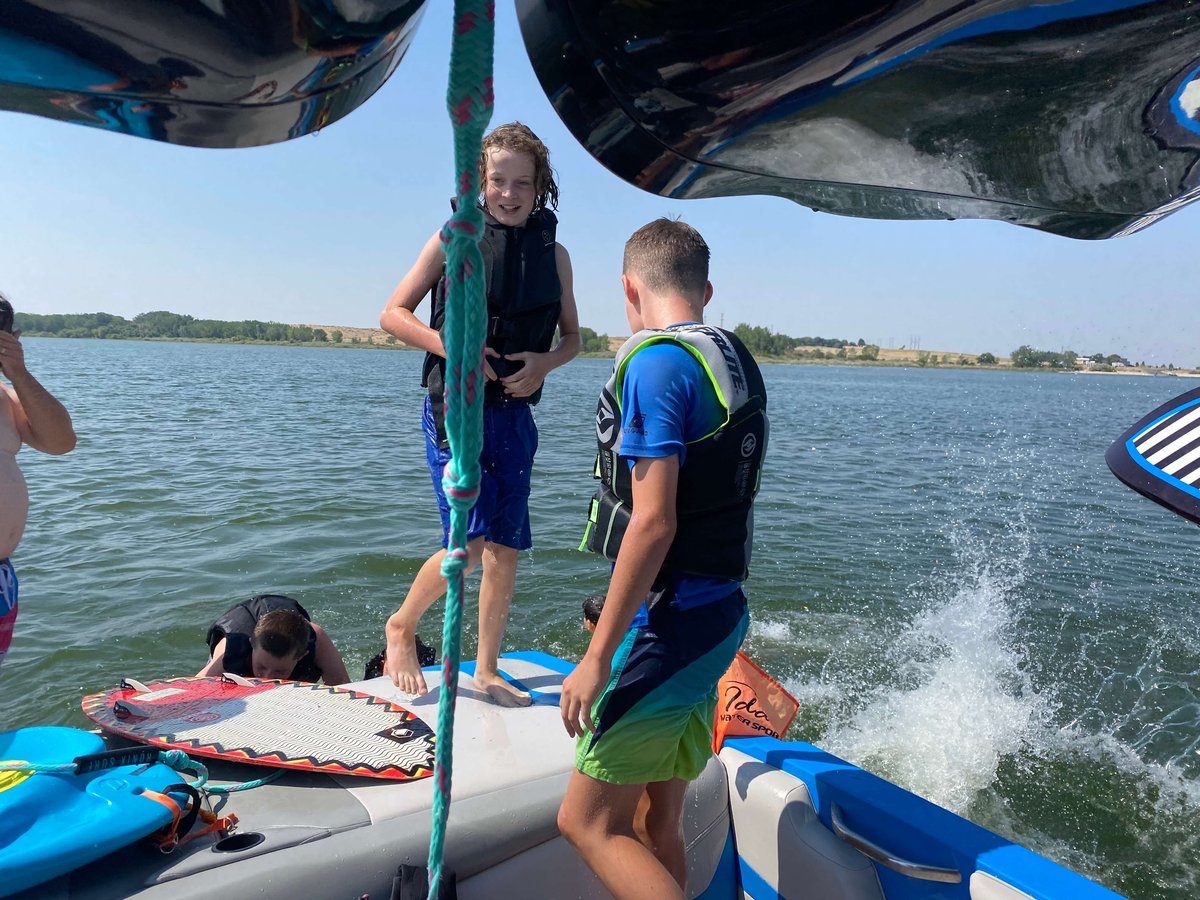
{"points": [[720, 476], [237, 627], [524, 300]]}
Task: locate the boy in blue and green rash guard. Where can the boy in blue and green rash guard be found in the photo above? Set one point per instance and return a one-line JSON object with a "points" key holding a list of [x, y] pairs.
{"points": [[681, 427]]}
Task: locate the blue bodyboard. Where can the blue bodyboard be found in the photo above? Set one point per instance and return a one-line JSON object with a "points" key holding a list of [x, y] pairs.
{"points": [[53, 823]]}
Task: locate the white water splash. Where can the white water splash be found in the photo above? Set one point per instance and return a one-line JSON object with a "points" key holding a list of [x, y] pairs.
{"points": [[959, 702], [770, 630]]}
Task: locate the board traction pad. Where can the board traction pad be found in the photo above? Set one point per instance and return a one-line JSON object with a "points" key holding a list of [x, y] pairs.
{"points": [[285, 724]]}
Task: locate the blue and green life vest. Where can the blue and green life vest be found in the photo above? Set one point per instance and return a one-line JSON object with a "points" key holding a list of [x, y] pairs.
{"points": [[720, 475]]}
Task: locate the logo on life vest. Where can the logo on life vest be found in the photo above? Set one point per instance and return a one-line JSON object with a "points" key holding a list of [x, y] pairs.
{"points": [[749, 443], [606, 420]]}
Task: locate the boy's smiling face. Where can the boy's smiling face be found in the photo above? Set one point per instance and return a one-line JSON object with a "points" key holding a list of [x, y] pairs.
{"points": [[511, 188]]}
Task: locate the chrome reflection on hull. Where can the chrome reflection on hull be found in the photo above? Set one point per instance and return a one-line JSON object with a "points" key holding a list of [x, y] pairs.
{"points": [[205, 73], [1077, 117]]}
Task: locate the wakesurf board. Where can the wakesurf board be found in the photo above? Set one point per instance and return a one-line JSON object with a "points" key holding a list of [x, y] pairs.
{"points": [[284, 724]]}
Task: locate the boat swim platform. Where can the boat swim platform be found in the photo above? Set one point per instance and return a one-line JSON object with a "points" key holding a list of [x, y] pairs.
{"points": [[312, 835], [759, 823]]}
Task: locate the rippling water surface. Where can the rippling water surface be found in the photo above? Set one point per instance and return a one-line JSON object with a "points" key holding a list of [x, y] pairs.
{"points": [[945, 573]]}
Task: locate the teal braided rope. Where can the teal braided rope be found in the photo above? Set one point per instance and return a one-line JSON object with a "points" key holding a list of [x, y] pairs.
{"points": [[469, 102], [175, 759], [37, 768], [180, 762], [245, 785]]}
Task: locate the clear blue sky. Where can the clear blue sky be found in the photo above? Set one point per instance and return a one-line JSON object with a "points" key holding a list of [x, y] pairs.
{"points": [[320, 229]]}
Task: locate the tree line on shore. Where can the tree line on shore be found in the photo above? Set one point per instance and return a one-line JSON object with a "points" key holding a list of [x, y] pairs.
{"points": [[759, 340], [1026, 357], [169, 326]]}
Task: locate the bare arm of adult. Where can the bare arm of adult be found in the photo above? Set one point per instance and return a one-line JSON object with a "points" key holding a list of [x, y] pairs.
{"points": [[216, 665], [329, 661], [526, 380], [42, 422], [643, 549]]}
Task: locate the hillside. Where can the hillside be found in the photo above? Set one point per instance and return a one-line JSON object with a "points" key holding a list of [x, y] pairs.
{"points": [[359, 335]]}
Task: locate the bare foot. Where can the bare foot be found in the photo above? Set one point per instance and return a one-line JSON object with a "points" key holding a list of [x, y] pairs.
{"points": [[501, 692], [400, 664]]}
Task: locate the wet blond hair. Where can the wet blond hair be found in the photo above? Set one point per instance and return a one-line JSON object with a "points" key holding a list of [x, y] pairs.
{"points": [[516, 137]]}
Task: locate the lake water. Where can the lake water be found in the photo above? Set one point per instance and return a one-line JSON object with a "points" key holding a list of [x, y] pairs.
{"points": [[946, 575]]}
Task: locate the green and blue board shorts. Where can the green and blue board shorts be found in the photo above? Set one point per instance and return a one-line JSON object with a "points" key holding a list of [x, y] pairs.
{"points": [[654, 719]]}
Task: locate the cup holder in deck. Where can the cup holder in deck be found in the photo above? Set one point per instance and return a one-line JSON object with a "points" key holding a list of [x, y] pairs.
{"points": [[241, 841]]}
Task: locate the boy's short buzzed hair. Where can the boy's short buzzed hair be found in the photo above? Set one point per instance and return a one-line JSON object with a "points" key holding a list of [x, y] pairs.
{"points": [[517, 137], [669, 256], [282, 633]]}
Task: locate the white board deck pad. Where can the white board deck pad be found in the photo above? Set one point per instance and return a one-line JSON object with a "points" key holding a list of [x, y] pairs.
{"points": [[284, 724]]}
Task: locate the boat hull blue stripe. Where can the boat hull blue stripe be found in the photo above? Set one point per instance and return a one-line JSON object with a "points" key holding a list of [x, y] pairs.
{"points": [[755, 886], [916, 829], [724, 883]]}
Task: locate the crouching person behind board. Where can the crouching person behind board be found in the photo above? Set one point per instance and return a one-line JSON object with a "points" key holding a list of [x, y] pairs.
{"points": [[272, 636]]}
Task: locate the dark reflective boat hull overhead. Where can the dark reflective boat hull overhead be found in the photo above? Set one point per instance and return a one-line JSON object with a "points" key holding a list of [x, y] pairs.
{"points": [[1079, 117], [206, 73]]}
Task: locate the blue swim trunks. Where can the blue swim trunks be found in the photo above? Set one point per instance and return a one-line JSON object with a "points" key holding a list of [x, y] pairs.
{"points": [[8, 606], [654, 719], [510, 440]]}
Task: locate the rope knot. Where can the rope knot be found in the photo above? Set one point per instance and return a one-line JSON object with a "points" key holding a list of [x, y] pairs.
{"points": [[176, 759], [461, 490]]}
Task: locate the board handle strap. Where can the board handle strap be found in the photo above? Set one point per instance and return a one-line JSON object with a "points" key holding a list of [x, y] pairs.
{"points": [[111, 759]]}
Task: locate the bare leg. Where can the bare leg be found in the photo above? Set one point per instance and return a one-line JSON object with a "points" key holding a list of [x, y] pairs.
{"points": [[597, 819], [401, 663], [659, 826], [495, 601]]}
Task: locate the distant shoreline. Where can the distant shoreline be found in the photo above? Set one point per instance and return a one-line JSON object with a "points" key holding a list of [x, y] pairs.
{"points": [[891, 358]]}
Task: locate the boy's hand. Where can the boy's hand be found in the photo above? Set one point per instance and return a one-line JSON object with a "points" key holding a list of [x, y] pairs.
{"points": [[526, 381], [488, 372], [580, 690]]}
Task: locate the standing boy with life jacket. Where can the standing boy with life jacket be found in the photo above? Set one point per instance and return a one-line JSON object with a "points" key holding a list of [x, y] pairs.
{"points": [[529, 295], [682, 431]]}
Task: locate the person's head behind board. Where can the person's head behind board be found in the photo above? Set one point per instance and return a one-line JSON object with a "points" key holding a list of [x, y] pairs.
{"points": [[515, 176], [280, 640], [668, 257], [592, 606]]}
